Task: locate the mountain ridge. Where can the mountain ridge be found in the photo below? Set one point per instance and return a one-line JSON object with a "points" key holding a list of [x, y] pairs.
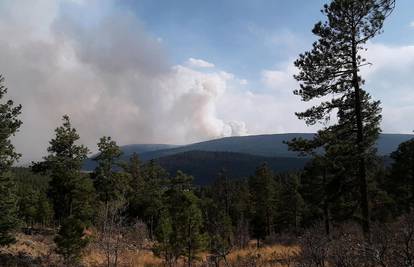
{"points": [[267, 146]]}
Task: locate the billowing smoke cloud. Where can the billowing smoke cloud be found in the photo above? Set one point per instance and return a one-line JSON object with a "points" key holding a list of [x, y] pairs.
{"points": [[98, 64], [108, 74]]}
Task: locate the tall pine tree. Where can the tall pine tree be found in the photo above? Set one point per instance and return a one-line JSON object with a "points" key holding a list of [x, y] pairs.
{"points": [[331, 71], [264, 195], [71, 191], [110, 185], [291, 205], [186, 218]]}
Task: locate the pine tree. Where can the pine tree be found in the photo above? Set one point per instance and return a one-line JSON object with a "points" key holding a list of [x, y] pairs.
{"points": [[400, 181], [325, 185], [71, 241], [222, 192], [332, 68], [33, 204], [240, 213], [188, 224], [164, 247], [63, 164], [8, 209], [110, 185], [264, 194], [9, 125], [217, 205], [134, 168], [184, 208], [27, 207], [71, 191], [291, 205], [147, 188], [44, 210], [220, 231]]}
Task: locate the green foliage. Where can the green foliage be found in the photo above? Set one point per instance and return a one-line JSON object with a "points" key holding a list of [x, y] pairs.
{"points": [[264, 193], [134, 169], [187, 218], [44, 210], [28, 199], [180, 230], [8, 209], [33, 204], [83, 198], [72, 192], [71, 241], [219, 228], [291, 206], [327, 191], [217, 212], [148, 184], [164, 247], [110, 185], [400, 182], [332, 69], [9, 125]]}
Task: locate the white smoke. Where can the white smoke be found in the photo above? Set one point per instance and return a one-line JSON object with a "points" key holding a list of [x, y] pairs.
{"points": [[108, 74], [98, 64]]}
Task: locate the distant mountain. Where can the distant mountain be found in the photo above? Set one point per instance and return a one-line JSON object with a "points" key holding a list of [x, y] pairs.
{"points": [[128, 150], [239, 155], [205, 165], [144, 148], [271, 145], [388, 143], [267, 145]]}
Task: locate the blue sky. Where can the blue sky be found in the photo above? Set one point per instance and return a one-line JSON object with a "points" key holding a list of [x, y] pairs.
{"points": [[245, 36], [183, 71]]}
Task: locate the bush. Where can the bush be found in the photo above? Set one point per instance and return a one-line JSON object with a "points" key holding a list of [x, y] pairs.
{"points": [[71, 241]]}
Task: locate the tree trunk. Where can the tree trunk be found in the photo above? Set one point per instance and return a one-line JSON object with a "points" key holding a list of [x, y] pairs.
{"points": [[190, 256], [362, 176], [410, 205], [326, 206]]}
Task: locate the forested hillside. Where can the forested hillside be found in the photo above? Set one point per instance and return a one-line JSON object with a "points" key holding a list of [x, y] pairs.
{"points": [[342, 196], [238, 155], [204, 166]]}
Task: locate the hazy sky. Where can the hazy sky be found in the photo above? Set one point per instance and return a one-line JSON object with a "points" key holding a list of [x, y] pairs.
{"points": [[155, 71]]}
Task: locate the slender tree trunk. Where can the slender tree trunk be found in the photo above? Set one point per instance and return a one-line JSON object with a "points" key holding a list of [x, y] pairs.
{"points": [[226, 192], [225, 261], [326, 207], [296, 218], [107, 234], [190, 256], [151, 226], [410, 205], [362, 176], [117, 250], [267, 223]]}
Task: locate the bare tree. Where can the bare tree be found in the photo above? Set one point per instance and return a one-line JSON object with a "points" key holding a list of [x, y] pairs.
{"points": [[314, 245], [403, 249], [112, 230], [241, 235]]}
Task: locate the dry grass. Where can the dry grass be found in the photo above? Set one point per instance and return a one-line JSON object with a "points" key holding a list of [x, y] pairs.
{"points": [[38, 250], [34, 245], [275, 255], [30, 250], [95, 258]]}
